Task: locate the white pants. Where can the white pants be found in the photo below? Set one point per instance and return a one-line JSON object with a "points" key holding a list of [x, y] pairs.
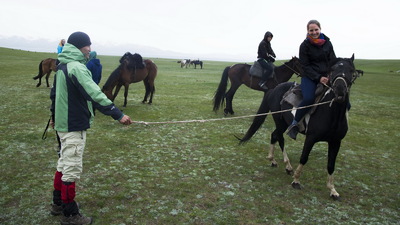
{"points": [[70, 161]]}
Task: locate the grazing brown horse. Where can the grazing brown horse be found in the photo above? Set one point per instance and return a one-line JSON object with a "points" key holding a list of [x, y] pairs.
{"points": [[132, 69], [238, 74], [45, 67]]}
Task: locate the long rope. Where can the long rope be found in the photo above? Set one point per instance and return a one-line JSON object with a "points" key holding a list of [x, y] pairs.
{"points": [[230, 118]]}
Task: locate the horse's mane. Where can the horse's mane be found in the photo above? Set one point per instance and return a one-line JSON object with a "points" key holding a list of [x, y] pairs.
{"points": [[134, 61], [113, 76]]}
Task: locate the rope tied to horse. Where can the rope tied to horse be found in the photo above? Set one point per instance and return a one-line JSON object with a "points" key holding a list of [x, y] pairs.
{"points": [[230, 118]]}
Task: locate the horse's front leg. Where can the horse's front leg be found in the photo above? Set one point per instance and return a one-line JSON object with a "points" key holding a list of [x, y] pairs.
{"points": [[116, 91], [296, 177], [308, 145], [126, 94], [333, 150]]}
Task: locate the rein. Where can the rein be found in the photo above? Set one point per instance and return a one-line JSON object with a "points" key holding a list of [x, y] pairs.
{"points": [[294, 71], [232, 118]]}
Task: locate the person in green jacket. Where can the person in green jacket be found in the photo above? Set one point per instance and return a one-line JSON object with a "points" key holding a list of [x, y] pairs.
{"points": [[73, 96]]}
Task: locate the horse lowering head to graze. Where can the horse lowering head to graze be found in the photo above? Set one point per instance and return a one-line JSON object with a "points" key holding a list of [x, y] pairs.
{"points": [[327, 123], [132, 69], [45, 67]]}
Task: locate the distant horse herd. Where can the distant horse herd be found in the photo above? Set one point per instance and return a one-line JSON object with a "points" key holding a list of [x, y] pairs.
{"points": [[187, 62], [326, 123]]}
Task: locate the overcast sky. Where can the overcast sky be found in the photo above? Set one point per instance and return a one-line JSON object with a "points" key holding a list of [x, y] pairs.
{"points": [[209, 27]]}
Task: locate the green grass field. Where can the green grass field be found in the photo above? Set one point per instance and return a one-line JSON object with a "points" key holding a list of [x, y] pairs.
{"points": [[196, 173]]}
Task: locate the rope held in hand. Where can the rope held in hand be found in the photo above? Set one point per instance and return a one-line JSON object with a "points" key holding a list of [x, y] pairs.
{"points": [[230, 118]]}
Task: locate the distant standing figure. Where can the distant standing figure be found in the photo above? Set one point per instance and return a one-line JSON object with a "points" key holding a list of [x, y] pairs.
{"points": [[95, 67], [60, 46]]}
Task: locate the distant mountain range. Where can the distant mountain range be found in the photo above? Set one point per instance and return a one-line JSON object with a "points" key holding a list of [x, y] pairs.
{"points": [[44, 45]]}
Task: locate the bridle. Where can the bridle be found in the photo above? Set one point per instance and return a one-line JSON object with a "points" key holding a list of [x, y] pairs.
{"points": [[342, 76]]}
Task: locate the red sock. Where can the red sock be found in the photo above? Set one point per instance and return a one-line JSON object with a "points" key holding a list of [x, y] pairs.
{"points": [[57, 181], [68, 192]]}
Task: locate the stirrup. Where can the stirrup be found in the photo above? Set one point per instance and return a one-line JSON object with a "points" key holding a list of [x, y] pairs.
{"points": [[263, 85]]}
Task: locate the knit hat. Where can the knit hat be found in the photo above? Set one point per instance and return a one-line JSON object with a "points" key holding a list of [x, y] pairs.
{"points": [[79, 39]]}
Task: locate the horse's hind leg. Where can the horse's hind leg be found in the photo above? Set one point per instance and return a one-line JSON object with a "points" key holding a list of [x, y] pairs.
{"points": [[277, 136], [40, 82], [153, 89], [229, 98], [47, 78], [147, 92]]}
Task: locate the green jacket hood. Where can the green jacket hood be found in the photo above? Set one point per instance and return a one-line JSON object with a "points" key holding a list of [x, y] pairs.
{"points": [[71, 53]]}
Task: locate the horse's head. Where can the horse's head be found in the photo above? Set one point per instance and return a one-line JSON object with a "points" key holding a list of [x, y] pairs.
{"points": [[341, 77], [298, 69], [108, 92]]}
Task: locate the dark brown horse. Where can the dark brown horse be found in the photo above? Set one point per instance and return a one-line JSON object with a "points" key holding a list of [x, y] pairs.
{"points": [[238, 74], [132, 69], [45, 67]]}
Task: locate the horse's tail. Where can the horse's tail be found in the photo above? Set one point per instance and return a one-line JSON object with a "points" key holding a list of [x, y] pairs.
{"points": [[258, 120], [219, 97], [112, 79], [40, 74]]}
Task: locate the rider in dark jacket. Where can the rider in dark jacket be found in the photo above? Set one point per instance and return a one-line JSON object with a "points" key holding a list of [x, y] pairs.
{"points": [[266, 57], [316, 53]]}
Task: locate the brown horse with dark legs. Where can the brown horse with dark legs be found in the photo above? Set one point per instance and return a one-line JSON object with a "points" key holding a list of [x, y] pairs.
{"points": [[132, 69], [238, 74], [45, 67]]}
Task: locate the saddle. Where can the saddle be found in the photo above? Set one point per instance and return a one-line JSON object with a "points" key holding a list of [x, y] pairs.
{"points": [[256, 70], [293, 97]]}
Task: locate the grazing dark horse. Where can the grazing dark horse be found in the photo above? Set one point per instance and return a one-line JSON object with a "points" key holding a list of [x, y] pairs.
{"points": [[327, 123], [45, 67], [197, 62], [132, 69], [238, 74]]}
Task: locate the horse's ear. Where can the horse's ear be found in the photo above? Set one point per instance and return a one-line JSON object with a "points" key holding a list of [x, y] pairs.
{"points": [[352, 57]]}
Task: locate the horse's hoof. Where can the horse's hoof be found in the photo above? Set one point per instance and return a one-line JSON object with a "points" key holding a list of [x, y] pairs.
{"points": [[274, 165], [296, 186], [336, 198], [37, 85], [289, 172], [226, 112]]}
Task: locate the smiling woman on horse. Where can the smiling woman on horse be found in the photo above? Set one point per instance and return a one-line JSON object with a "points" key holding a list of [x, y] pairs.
{"points": [[266, 57], [316, 53]]}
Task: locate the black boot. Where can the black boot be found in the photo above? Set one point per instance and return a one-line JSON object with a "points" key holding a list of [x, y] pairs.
{"points": [[72, 215], [293, 130], [56, 207]]}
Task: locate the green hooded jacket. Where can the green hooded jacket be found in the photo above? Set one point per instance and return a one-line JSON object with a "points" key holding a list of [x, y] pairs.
{"points": [[74, 93]]}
